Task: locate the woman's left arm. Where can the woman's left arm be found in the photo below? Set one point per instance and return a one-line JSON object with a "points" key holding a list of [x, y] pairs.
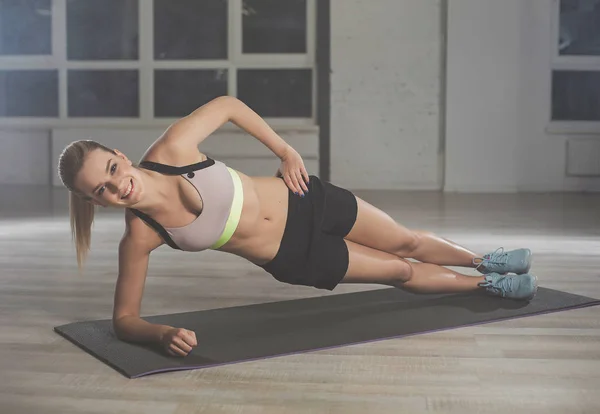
{"points": [[191, 130]]}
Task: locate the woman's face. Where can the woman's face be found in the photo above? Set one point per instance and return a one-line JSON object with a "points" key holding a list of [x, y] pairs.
{"points": [[109, 179]]}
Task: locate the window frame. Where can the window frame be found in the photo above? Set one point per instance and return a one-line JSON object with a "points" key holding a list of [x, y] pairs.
{"points": [[146, 66], [572, 63]]}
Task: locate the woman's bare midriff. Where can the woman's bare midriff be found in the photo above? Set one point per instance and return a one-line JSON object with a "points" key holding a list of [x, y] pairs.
{"points": [[262, 223]]}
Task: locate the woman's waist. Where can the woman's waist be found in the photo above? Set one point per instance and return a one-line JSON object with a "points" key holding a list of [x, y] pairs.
{"points": [[263, 218]]}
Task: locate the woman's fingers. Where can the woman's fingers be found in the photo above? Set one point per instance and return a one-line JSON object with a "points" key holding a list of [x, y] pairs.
{"points": [[290, 182], [296, 182], [176, 351], [192, 336], [301, 181], [294, 179]]}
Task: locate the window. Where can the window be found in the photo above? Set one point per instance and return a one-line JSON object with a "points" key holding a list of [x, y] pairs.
{"points": [[102, 30], [147, 62], [28, 93], [274, 26], [176, 23], [25, 27], [576, 63]]}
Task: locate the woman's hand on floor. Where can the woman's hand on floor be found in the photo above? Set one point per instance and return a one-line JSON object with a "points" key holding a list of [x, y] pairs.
{"points": [[179, 341]]}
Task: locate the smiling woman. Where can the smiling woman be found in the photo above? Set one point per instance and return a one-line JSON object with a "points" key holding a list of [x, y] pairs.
{"points": [[301, 230]]}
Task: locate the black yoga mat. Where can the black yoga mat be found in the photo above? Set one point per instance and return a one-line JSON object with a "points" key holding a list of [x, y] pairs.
{"points": [[252, 332]]}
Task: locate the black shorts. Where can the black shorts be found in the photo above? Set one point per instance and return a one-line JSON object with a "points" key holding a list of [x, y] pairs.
{"points": [[313, 251]]}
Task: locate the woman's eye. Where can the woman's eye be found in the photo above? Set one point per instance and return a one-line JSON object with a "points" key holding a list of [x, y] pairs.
{"points": [[113, 168], [101, 190]]}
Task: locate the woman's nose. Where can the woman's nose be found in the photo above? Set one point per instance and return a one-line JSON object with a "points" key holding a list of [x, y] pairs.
{"points": [[115, 184]]}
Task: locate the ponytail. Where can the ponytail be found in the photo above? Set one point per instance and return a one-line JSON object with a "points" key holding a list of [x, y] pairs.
{"points": [[82, 217], [81, 210]]}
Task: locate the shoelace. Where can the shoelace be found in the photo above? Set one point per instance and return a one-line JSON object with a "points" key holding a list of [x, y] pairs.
{"points": [[501, 285], [497, 257]]}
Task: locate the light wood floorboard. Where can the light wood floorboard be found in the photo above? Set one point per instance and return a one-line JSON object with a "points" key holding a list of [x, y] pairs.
{"points": [[543, 364]]}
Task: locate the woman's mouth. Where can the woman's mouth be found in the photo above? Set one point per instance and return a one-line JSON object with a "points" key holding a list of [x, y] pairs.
{"points": [[128, 191]]}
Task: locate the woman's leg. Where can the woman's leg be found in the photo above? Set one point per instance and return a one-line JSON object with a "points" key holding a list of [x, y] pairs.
{"points": [[376, 229], [368, 265]]}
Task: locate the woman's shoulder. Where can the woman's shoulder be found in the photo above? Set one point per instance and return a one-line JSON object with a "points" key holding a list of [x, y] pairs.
{"points": [[165, 150], [138, 234]]}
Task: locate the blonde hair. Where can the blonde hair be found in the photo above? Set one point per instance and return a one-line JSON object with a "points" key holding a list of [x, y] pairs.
{"points": [[81, 210]]}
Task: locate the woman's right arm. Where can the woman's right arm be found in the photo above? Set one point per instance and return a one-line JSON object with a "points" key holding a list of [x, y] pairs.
{"points": [[134, 254]]}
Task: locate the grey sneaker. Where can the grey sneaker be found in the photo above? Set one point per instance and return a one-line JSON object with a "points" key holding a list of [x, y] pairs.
{"points": [[520, 287], [515, 261]]}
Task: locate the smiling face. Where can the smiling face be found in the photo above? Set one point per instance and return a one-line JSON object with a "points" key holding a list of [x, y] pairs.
{"points": [[109, 179]]}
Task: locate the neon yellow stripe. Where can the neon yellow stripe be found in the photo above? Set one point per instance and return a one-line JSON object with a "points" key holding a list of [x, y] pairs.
{"points": [[235, 212]]}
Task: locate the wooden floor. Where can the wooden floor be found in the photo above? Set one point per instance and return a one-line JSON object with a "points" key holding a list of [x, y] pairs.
{"points": [[543, 364]]}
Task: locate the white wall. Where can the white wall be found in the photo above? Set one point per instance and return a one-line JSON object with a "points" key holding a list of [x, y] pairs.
{"points": [[498, 97], [385, 94], [24, 157], [482, 93]]}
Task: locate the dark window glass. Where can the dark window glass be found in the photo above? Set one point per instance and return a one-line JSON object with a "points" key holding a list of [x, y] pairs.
{"points": [[576, 96], [25, 27], [29, 93], [277, 92], [274, 26], [103, 93], [102, 29], [579, 27], [179, 92], [190, 29]]}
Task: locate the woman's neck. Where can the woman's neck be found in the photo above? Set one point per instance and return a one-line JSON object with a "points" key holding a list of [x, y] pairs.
{"points": [[158, 191]]}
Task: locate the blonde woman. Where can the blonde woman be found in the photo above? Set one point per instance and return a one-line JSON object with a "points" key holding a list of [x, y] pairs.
{"points": [[300, 229]]}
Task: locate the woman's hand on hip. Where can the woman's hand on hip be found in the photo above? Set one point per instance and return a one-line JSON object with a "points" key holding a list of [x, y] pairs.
{"points": [[293, 172]]}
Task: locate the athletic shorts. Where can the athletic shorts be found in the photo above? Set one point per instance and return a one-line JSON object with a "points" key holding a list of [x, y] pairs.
{"points": [[313, 251]]}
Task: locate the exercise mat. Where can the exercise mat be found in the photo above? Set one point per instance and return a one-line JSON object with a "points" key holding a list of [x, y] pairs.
{"points": [[251, 332]]}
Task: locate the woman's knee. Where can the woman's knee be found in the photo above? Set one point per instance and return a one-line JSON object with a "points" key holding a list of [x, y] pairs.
{"points": [[410, 242], [402, 272]]}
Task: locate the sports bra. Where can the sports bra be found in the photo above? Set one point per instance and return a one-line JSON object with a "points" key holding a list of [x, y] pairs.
{"points": [[221, 191]]}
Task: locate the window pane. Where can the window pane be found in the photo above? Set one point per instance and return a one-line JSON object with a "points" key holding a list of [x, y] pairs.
{"points": [[579, 27], [575, 96], [102, 29], [29, 93], [25, 27], [274, 26], [190, 29], [103, 93], [179, 92], [277, 92]]}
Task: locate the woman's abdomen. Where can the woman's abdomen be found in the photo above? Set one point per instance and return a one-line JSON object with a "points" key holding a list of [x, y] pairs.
{"points": [[263, 219]]}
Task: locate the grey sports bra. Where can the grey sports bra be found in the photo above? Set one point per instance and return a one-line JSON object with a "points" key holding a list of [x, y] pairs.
{"points": [[218, 187]]}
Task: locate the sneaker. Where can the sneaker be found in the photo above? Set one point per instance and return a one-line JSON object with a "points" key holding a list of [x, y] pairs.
{"points": [[514, 261], [520, 287]]}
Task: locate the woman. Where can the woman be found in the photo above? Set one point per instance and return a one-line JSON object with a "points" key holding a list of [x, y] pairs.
{"points": [[299, 229]]}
